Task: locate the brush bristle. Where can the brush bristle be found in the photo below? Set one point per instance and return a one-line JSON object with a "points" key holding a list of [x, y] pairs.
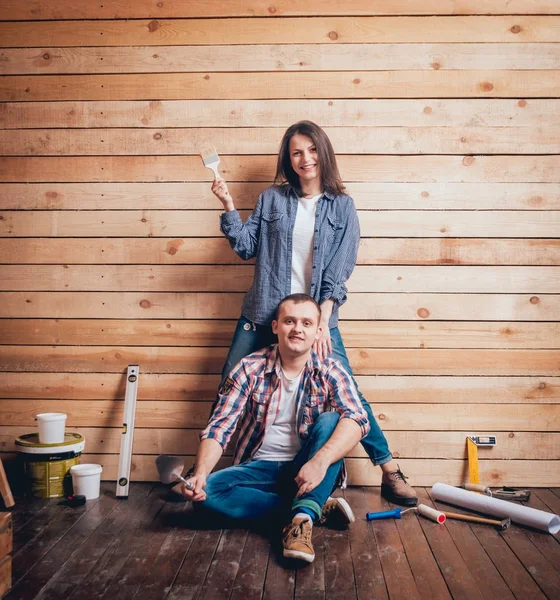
{"points": [[209, 155]]}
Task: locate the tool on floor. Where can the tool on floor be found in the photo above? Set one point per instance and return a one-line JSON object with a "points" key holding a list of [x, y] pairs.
{"points": [[501, 525], [421, 509], [504, 493], [511, 493], [525, 515], [473, 443], [211, 160], [127, 439], [170, 469], [76, 500]]}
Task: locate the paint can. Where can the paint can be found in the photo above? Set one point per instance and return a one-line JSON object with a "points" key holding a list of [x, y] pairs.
{"points": [[86, 480], [47, 466], [51, 427]]}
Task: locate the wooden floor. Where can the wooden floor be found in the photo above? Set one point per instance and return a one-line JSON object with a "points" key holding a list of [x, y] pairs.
{"points": [[146, 548]]}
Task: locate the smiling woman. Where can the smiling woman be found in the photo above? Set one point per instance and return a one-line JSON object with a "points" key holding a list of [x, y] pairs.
{"points": [[304, 234]]}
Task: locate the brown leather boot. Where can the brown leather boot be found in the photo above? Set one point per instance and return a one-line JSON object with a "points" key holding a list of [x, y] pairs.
{"points": [[395, 489]]}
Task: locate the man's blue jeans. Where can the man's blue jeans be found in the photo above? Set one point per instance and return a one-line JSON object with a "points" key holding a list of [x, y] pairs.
{"points": [[261, 488], [250, 337]]}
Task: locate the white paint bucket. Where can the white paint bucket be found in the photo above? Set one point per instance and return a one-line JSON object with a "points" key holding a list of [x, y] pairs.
{"points": [[51, 427], [86, 480]]}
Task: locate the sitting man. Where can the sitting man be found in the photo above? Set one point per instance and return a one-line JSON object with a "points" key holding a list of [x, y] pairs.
{"points": [[299, 417]]}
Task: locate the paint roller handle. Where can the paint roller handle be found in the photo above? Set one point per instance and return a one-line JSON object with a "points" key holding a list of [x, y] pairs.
{"points": [[386, 514]]}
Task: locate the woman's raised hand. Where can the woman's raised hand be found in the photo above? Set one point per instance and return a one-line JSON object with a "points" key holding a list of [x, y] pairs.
{"points": [[220, 190]]}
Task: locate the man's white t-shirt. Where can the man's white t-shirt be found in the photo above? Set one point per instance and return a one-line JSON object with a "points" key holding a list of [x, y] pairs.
{"points": [[302, 245], [281, 441]]}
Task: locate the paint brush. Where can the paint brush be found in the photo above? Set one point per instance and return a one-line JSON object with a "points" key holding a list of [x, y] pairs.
{"points": [[211, 160]]}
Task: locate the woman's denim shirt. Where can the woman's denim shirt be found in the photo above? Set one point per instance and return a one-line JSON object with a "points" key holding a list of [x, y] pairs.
{"points": [[267, 236]]}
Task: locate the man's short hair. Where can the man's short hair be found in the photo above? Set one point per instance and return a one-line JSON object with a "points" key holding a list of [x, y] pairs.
{"points": [[297, 299]]}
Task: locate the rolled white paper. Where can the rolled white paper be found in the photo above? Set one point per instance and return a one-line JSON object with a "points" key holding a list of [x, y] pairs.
{"points": [[539, 519], [431, 513]]}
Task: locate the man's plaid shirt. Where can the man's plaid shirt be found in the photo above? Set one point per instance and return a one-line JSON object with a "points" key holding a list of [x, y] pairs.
{"points": [[252, 393]]}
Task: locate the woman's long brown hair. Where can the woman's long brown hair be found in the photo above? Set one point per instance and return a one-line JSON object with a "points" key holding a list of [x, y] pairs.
{"points": [[330, 175]]}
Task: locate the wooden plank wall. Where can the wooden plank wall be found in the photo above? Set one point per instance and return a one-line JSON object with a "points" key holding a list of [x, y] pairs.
{"points": [[445, 117]]}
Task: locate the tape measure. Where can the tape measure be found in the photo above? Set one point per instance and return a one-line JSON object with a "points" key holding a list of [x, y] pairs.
{"points": [[472, 453], [473, 441]]}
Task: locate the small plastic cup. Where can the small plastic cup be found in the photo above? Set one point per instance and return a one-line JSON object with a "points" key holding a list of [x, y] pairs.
{"points": [[86, 480], [51, 427]]}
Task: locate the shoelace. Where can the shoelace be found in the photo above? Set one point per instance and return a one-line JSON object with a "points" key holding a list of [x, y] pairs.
{"points": [[301, 532], [398, 474]]}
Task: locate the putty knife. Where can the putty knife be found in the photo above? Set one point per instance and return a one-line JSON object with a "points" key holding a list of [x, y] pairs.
{"points": [[170, 469]]}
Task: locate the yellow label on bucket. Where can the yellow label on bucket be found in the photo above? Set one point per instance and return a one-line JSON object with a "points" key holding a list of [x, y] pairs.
{"points": [[49, 479]]}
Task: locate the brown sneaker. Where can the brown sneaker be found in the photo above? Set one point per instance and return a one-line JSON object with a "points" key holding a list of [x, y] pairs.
{"points": [[337, 513], [395, 489], [296, 539]]}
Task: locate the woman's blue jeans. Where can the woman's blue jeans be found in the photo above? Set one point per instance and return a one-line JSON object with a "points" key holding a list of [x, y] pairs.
{"points": [[260, 488], [250, 337]]}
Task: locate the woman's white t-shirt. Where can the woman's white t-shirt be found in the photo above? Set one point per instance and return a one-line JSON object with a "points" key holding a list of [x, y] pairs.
{"points": [[302, 245]]}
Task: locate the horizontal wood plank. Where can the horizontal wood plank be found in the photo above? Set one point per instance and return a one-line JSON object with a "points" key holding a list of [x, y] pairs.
{"points": [[404, 444], [433, 112], [494, 473], [356, 334], [154, 305], [403, 417], [279, 57], [206, 223], [364, 361], [492, 307], [363, 168], [442, 334], [454, 251], [200, 388], [295, 30], [217, 251], [538, 139], [361, 471], [113, 332], [274, 85], [134, 9], [238, 278], [197, 196]]}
